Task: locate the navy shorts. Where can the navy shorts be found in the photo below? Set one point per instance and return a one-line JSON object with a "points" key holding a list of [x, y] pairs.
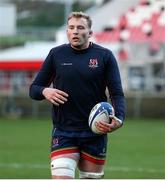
{"points": [[92, 149]]}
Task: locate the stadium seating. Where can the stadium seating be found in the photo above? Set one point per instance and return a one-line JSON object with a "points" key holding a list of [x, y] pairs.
{"points": [[143, 23]]}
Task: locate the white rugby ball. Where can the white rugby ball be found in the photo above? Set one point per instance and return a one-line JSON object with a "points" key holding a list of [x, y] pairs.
{"points": [[100, 112]]}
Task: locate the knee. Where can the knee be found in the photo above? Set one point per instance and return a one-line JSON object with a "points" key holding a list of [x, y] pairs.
{"points": [[64, 167]]}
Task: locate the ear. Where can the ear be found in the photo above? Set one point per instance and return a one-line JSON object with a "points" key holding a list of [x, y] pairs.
{"points": [[90, 33]]}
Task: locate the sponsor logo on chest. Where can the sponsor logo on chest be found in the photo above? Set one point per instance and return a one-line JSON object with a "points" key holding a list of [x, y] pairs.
{"points": [[66, 64]]}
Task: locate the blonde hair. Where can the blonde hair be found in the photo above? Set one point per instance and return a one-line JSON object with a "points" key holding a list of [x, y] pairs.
{"points": [[81, 15]]}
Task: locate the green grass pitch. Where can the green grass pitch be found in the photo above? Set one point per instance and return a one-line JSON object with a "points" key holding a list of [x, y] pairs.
{"points": [[136, 151]]}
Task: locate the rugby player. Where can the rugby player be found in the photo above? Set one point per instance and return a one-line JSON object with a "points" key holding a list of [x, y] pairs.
{"points": [[80, 72]]}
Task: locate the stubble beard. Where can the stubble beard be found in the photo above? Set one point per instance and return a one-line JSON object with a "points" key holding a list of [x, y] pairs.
{"points": [[80, 46]]}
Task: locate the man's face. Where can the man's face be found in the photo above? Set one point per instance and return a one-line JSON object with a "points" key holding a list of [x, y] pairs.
{"points": [[78, 33]]}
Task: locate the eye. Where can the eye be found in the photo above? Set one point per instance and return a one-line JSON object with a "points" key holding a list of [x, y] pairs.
{"points": [[80, 27], [71, 27]]}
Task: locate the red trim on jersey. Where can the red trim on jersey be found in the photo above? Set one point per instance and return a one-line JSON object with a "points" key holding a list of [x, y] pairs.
{"points": [[20, 65], [63, 151], [93, 159]]}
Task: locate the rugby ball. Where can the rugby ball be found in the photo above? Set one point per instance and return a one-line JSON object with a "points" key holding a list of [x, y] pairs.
{"points": [[100, 112]]}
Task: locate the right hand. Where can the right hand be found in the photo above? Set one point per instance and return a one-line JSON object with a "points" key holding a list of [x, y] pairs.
{"points": [[109, 127], [55, 96]]}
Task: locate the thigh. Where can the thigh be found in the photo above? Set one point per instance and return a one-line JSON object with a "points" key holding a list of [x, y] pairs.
{"points": [[61, 145], [93, 154], [64, 157]]}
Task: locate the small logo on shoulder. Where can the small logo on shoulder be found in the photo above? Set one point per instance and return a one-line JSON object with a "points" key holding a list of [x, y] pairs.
{"points": [[93, 63]]}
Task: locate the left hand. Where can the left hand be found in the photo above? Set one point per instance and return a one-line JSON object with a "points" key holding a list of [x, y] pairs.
{"points": [[109, 127]]}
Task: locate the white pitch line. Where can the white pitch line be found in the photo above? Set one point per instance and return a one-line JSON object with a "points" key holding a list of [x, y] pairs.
{"points": [[113, 168], [21, 165], [138, 169]]}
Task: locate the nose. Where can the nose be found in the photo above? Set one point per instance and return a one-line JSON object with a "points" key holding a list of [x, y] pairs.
{"points": [[75, 31]]}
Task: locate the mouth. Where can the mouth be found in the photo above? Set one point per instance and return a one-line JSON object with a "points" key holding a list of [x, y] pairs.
{"points": [[75, 39]]}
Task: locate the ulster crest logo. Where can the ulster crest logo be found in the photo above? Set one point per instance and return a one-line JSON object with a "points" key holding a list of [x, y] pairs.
{"points": [[93, 63], [55, 142]]}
